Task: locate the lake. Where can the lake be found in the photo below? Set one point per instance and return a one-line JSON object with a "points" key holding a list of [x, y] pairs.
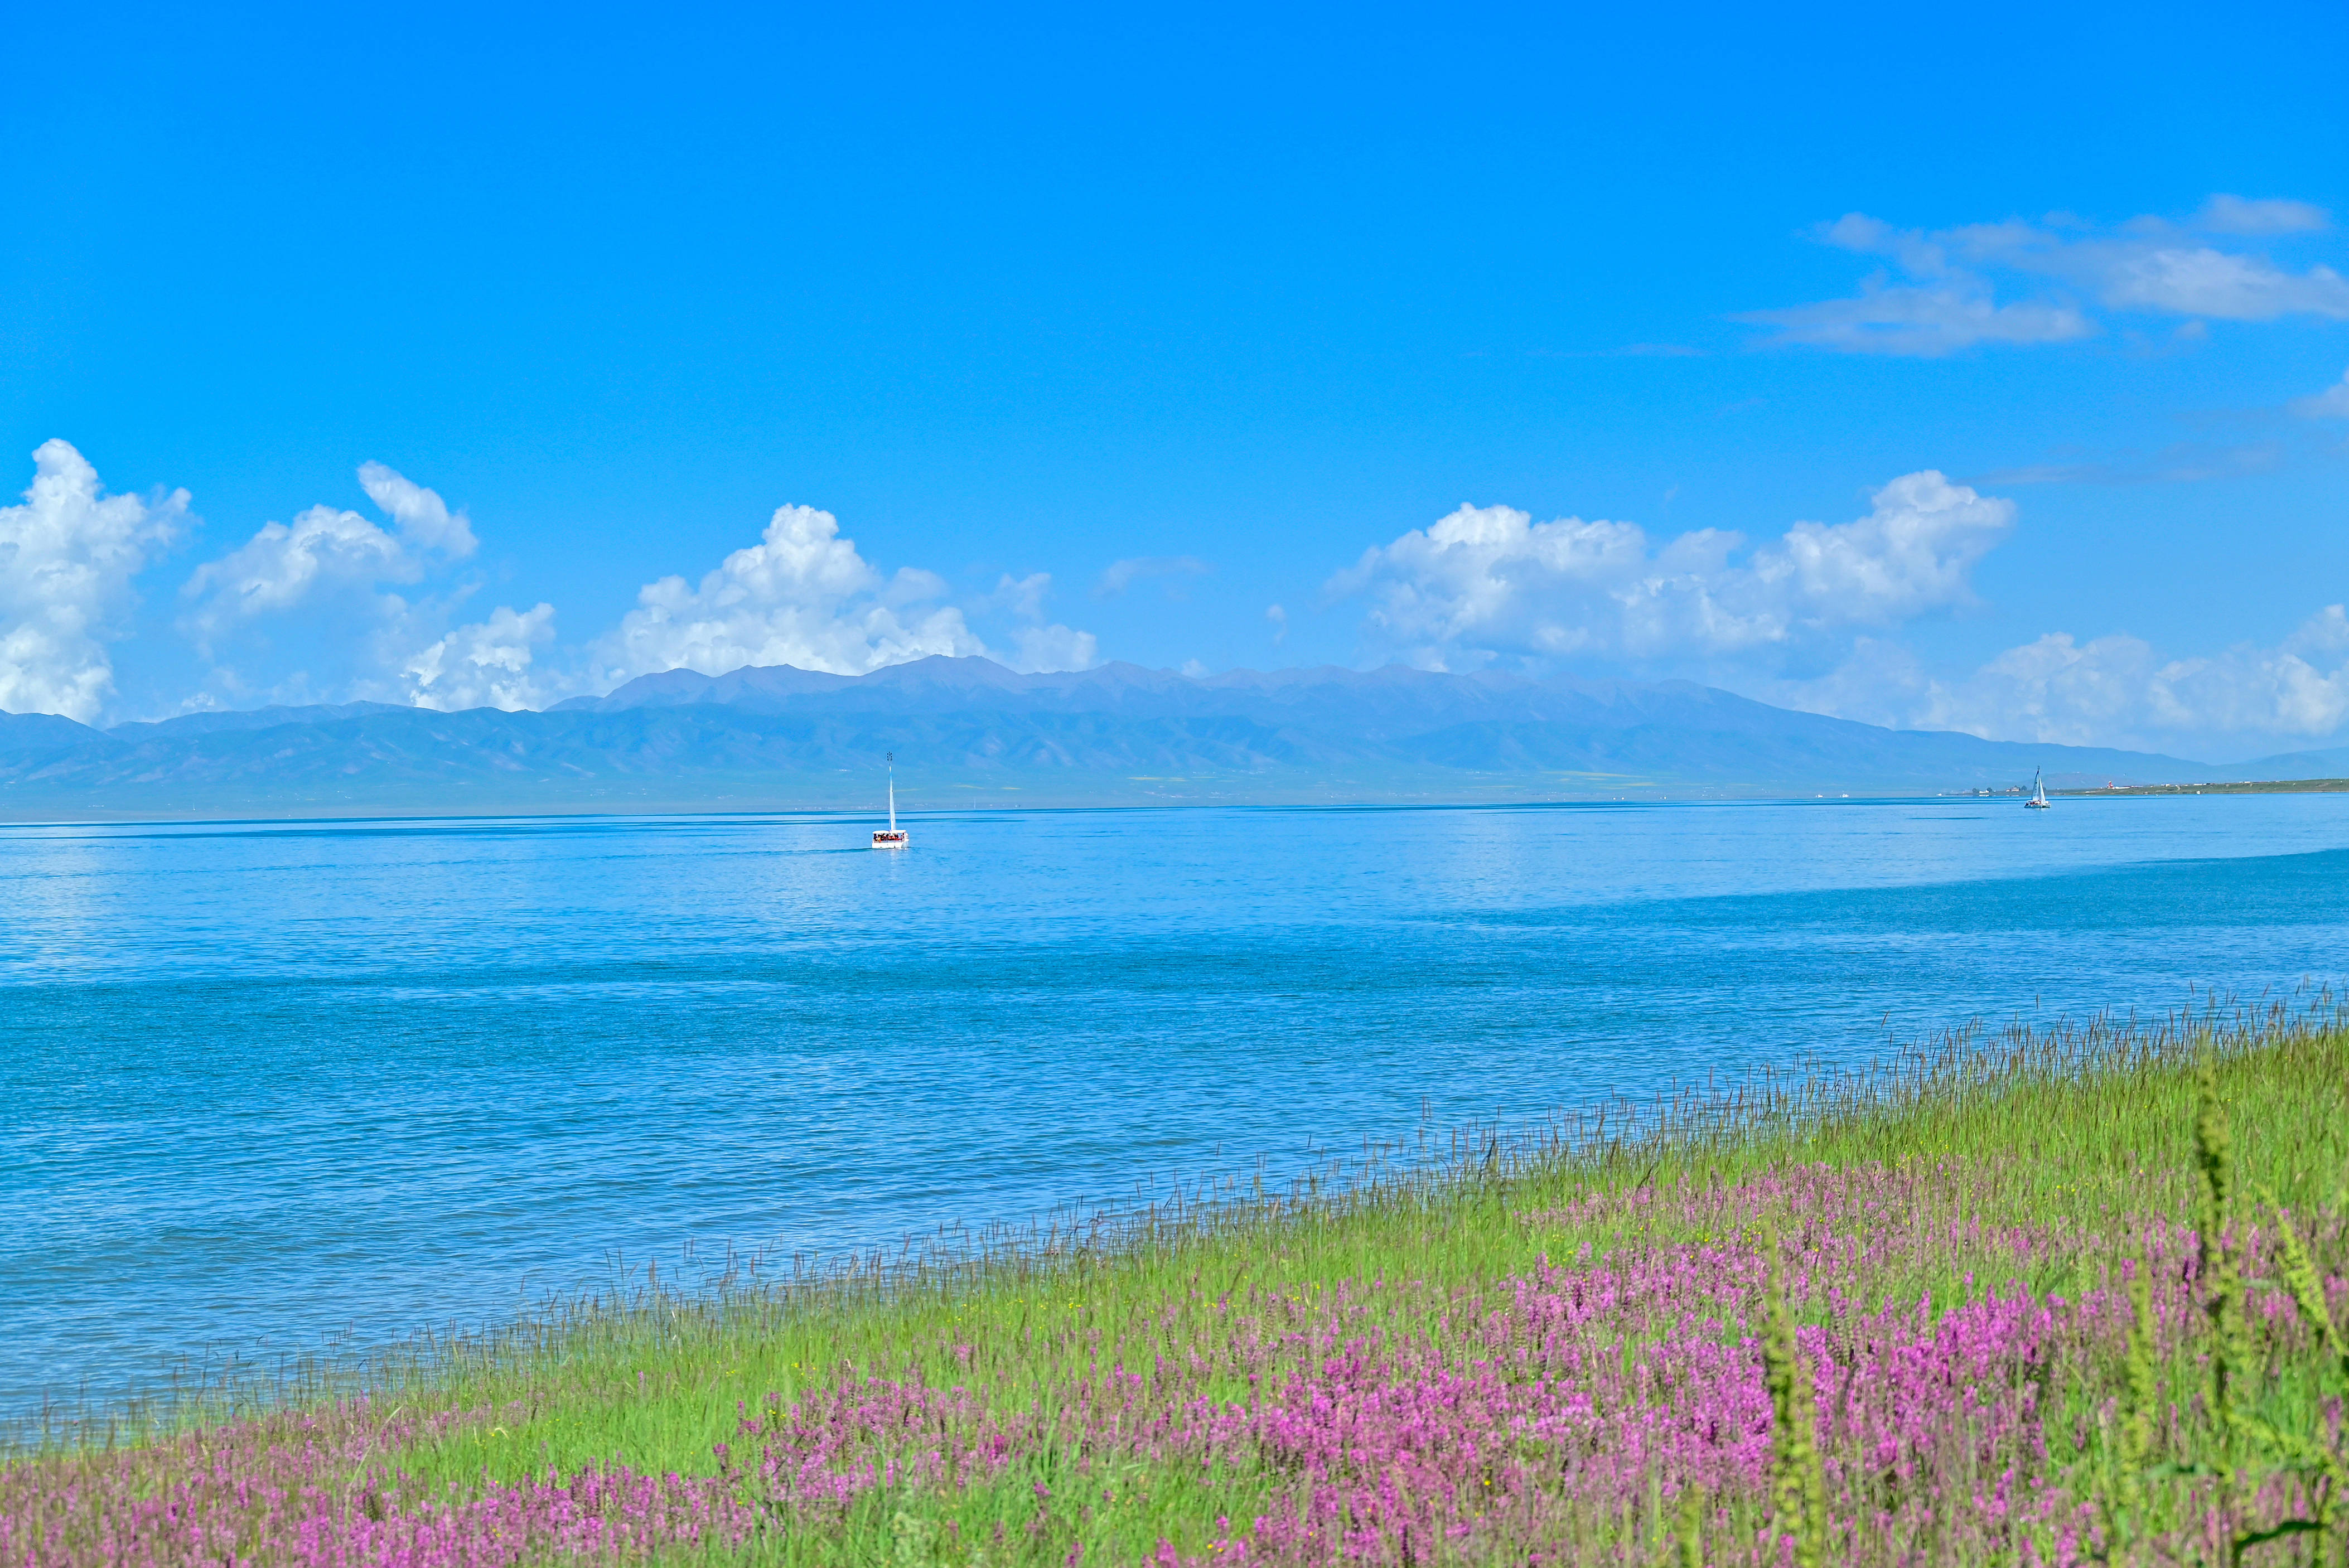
{"points": [[261, 1083]]}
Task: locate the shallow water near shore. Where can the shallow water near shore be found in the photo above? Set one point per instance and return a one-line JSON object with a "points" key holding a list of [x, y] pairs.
{"points": [[265, 1083]]}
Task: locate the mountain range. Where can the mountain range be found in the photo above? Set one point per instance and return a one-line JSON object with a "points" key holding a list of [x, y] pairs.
{"points": [[968, 731]]}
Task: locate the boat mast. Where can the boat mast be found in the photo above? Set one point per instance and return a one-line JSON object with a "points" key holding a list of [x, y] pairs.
{"points": [[892, 789]]}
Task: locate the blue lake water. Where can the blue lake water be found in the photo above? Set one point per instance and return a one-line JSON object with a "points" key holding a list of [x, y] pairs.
{"points": [[261, 1083]]}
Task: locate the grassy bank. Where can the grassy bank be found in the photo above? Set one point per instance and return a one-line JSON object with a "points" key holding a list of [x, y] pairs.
{"points": [[1969, 1307]]}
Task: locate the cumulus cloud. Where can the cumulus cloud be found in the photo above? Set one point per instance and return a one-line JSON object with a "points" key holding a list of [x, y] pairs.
{"points": [[283, 567], [1946, 295], [805, 595], [307, 611], [485, 664], [801, 596], [2113, 690], [424, 518], [1037, 647], [68, 555], [1036, 650], [336, 605], [1488, 584]]}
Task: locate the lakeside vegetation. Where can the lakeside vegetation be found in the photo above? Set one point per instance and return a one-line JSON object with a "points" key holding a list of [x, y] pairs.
{"points": [[2054, 1296]]}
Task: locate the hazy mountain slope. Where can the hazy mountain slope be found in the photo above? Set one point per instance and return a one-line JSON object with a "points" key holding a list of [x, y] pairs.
{"points": [[2332, 764], [251, 718], [967, 729], [27, 735], [1675, 730]]}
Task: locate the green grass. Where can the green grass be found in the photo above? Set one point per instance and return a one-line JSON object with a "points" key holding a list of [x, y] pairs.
{"points": [[2080, 1133], [2069, 1130]]}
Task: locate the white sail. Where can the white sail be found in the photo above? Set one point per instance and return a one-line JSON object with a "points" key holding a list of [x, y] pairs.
{"points": [[891, 838]]}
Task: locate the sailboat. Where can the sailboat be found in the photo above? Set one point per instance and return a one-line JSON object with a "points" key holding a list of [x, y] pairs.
{"points": [[893, 838], [2038, 801]]}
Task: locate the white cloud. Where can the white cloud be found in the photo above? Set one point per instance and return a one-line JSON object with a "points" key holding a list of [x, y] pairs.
{"points": [[803, 595], [2233, 215], [2332, 403], [281, 567], [334, 605], [2114, 690], [1037, 650], [424, 518], [303, 612], [485, 664], [1280, 619], [67, 558], [2199, 281], [1925, 321], [1486, 584], [2148, 266], [1023, 596], [1036, 647], [324, 549]]}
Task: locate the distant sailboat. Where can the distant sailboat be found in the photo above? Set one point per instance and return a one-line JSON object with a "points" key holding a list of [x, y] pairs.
{"points": [[894, 837], [2038, 801]]}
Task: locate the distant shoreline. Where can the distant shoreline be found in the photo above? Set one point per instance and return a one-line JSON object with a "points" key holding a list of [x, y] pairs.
{"points": [[2239, 787]]}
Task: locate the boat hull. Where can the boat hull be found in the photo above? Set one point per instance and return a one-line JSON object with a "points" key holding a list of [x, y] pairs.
{"points": [[888, 840]]}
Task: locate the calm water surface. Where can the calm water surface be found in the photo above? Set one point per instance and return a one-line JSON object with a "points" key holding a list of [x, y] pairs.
{"points": [[265, 1082]]}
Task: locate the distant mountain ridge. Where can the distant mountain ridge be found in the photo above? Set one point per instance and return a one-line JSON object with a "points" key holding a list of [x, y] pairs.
{"points": [[214, 722], [970, 730]]}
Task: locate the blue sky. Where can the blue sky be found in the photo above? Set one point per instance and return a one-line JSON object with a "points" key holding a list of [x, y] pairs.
{"points": [[1100, 337]]}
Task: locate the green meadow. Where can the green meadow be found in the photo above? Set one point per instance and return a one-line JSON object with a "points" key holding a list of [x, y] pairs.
{"points": [[2066, 1295]]}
